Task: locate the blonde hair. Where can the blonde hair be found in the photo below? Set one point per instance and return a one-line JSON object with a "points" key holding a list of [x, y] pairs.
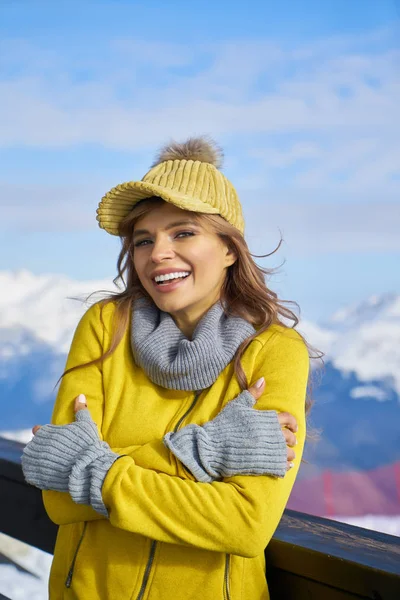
{"points": [[244, 292]]}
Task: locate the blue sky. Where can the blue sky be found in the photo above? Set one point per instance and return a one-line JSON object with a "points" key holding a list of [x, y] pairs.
{"points": [[303, 97]]}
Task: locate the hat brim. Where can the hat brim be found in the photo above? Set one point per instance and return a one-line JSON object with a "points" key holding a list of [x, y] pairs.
{"points": [[121, 199]]}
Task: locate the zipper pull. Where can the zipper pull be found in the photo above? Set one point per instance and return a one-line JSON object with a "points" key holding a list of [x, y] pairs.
{"points": [[69, 578]]}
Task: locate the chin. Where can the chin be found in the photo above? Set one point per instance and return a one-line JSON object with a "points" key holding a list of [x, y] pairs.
{"points": [[176, 305], [170, 306]]}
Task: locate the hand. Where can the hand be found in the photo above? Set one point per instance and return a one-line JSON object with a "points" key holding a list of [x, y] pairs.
{"points": [[286, 420], [48, 459], [79, 404], [70, 458], [240, 440]]}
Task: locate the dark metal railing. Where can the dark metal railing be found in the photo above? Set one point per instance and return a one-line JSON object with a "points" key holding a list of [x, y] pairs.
{"points": [[309, 558]]}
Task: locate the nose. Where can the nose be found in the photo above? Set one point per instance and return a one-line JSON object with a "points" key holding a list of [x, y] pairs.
{"points": [[162, 249]]}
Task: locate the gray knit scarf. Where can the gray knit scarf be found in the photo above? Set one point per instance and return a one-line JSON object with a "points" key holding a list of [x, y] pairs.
{"points": [[177, 363]]}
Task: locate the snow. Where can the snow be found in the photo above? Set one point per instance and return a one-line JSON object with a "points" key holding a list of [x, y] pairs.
{"points": [[363, 338], [317, 336], [20, 435], [16, 584], [370, 310], [382, 523], [373, 352], [19, 586], [48, 306]]}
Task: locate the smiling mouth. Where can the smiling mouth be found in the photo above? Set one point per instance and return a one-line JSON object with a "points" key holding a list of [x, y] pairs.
{"points": [[169, 281]]}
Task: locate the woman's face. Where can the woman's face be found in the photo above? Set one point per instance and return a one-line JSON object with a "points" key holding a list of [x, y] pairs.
{"points": [[169, 240]]}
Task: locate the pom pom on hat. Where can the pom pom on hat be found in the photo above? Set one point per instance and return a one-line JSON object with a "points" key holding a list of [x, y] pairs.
{"points": [[203, 149]]}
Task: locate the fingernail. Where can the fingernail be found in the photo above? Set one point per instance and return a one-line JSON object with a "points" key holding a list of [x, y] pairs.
{"points": [[82, 398], [291, 465], [296, 441], [259, 382]]}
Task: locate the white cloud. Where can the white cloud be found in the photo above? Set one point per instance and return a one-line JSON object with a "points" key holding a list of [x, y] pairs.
{"points": [[315, 228], [47, 208], [242, 87], [313, 128]]}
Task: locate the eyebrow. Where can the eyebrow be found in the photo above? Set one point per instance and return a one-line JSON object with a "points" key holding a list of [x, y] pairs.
{"points": [[170, 226]]}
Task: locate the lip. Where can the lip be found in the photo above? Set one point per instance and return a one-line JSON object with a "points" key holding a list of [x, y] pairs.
{"points": [[170, 287]]}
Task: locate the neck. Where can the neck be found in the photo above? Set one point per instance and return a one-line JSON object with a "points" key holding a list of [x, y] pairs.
{"points": [[188, 319], [187, 323]]}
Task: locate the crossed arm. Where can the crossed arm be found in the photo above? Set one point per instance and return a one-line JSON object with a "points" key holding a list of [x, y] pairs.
{"points": [[154, 456], [149, 492]]}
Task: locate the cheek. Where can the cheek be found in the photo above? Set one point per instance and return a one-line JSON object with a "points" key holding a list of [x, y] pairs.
{"points": [[205, 262]]}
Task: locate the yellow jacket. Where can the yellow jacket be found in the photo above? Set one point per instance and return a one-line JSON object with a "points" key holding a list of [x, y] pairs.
{"points": [[169, 537]]}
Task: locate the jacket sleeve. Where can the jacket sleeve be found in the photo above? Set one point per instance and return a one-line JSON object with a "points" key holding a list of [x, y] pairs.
{"points": [[238, 515], [154, 455], [87, 345]]}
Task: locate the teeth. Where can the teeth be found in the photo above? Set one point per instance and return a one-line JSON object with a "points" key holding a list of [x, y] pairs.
{"points": [[171, 276]]}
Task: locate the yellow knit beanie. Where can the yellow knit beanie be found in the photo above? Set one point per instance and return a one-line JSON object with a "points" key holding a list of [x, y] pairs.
{"points": [[186, 175]]}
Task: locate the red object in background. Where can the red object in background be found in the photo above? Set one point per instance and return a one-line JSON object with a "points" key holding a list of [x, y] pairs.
{"points": [[349, 493]]}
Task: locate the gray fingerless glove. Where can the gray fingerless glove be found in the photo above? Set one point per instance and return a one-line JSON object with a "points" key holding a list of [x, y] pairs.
{"points": [[70, 458], [239, 441]]}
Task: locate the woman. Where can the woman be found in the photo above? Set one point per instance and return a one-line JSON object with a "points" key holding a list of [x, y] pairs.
{"points": [[167, 482]]}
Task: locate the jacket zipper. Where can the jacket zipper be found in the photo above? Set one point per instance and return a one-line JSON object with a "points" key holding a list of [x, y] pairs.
{"points": [[147, 571], [191, 407], [71, 569], [154, 543], [227, 593]]}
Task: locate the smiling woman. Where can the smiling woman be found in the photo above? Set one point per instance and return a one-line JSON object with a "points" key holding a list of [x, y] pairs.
{"points": [[192, 263], [171, 481]]}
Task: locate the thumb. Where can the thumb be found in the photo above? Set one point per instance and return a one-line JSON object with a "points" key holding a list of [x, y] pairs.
{"points": [[244, 399], [80, 403], [257, 389], [82, 412]]}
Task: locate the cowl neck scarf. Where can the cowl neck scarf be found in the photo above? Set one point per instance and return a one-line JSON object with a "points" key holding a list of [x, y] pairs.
{"points": [[173, 361]]}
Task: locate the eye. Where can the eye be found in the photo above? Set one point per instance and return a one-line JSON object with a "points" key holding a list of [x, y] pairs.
{"points": [[181, 233], [185, 233]]}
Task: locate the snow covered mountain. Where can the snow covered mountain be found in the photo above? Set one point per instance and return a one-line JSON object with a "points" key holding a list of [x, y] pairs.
{"points": [[47, 307], [356, 404], [38, 316], [365, 339]]}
